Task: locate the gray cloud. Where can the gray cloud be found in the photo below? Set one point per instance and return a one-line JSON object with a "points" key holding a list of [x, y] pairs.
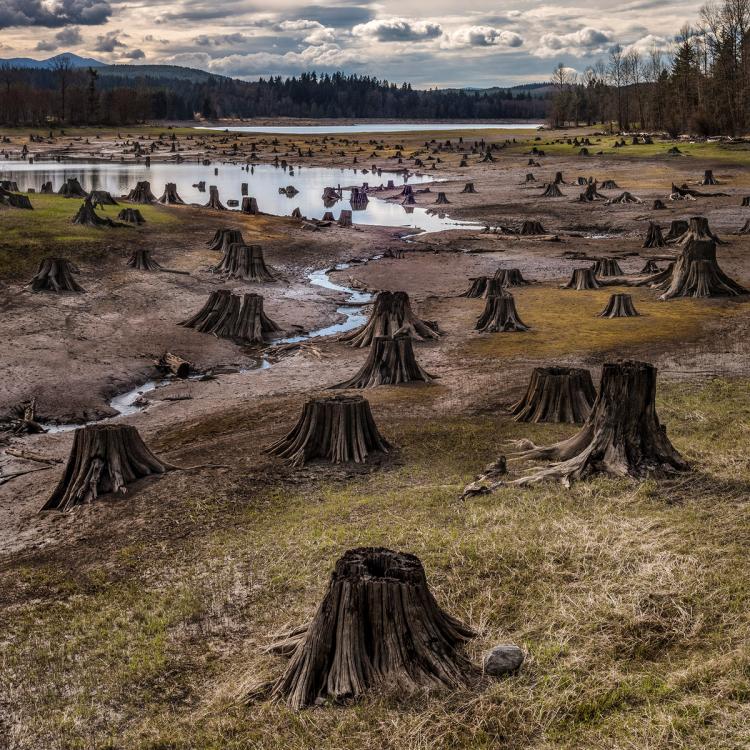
{"points": [[108, 42], [398, 30], [65, 38], [135, 54], [55, 14], [337, 16]]}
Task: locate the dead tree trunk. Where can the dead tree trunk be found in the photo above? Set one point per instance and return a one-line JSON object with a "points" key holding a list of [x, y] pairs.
{"points": [[708, 178], [442, 199], [170, 196], [621, 437], [224, 238], [131, 216], [103, 459], [345, 218], [552, 191], [510, 277], [649, 269], [698, 229], [141, 260], [245, 262], [249, 206], [654, 236], [213, 199], [337, 429], [697, 274], [483, 286], [391, 361], [71, 188], [619, 306], [141, 193], [677, 229], [582, 279], [607, 267], [178, 366], [556, 394], [500, 315], [87, 217], [55, 275], [469, 188], [590, 194], [378, 625], [390, 315], [531, 228]]}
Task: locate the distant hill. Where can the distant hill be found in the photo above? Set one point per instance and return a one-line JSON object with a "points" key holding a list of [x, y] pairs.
{"points": [[75, 61], [171, 72]]}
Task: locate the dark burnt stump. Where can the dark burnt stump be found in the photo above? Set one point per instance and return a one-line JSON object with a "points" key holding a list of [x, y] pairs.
{"points": [[500, 315], [556, 394], [224, 238], [469, 188], [377, 626], [654, 236], [15, 200], [590, 194], [170, 196], [531, 227], [55, 275], [141, 193], [337, 429], [213, 199], [622, 436], [245, 262], [71, 188], [131, 216], [103, 459], [607, 267], [391, 314], [391, 361], [582, 279], [619, 306], [658, 205], [47, 189], [87, 216], [141, 260], [708, 178]]}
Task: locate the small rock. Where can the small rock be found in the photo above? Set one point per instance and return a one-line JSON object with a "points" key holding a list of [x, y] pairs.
{"points": [[503, 659]]}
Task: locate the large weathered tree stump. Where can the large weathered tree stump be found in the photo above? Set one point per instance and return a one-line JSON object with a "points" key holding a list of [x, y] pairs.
{"points": [[47, 188], [378, 626], [249, 206], [131, 216], [708, 178], [55, 275], [103, 459], [552, 191], [590, 194], [141, 193], [391, 314], [556, 394], [677, 229], [213, 199], [337, 429], [582, 279], [102, 198], [170, 196], [469, 188], [654, 236], [15, 200], [391, 361], [696, 273], [141, 260], [621, 437], [245, 262], [607, 267], [87, 216], [224, 238], [345, 218], [531, 228], [619, 306], [698, 229], [510, 277], [624, 197], [482, 286], [500, 315], [71, 188]]}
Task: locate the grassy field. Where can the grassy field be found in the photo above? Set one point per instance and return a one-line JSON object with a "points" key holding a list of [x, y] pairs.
{"points": [[631, 601]]}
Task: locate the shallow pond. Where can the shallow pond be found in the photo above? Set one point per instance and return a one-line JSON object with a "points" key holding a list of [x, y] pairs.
{"points": [[393, 127]]}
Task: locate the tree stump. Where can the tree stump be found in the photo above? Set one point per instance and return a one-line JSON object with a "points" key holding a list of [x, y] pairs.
{"points": [[590, 194], [609, 185], [531, 228], [469, 188], [530, 177], [442, 199], [552, 191], [649, 268], [619, 306], [696, 273], [15, 200], [47, 189], [745, 229], [607, 267], [377, 626], [746, 200], [483, 286], [582, 279], [71, 188], [556, 394], [103, 198], [245, 262], [131, 216], [654, 236], [391, 361], [698, 229], [658, 205], [500, 315], [141, 260], [171, 197], [510, 277], [249, 206], [625, 197], [390, 315], [559, 179], [178, 366], [345, 218], [677, 229], [103, 459], [337, 429], [88, 217], [708, 178], [224, 238], [621, 437], [55, 275], [213, 199], [141, 193]]}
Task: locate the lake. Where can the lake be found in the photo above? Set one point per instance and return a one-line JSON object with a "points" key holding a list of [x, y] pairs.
{"points": [[263, 184], [405, 127]]}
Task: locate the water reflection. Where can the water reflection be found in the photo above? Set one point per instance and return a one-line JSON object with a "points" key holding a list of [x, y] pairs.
{"points": [[399, 127]]}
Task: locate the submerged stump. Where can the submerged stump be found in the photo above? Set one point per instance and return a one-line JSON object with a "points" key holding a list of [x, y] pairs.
{"points": [[556, 394]]}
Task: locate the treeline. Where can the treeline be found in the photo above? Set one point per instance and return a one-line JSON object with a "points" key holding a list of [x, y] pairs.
{"points": [[90, 96], [699, 85]]}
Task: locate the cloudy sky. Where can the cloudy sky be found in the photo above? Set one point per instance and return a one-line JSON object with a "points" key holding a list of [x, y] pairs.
{"points": [[427, 42]]}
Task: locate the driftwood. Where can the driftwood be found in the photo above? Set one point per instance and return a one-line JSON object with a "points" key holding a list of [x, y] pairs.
{"points": [[224, 238], [621, 437], [141, 193], [175, 364], [337, 429], [582, 279], [103, 459], [245, 262], [619, 306], [55, 275], [556, 394], [377, 626], [170, 196], [500, 315], [684, 191], [131, 216], [654, 236], [391, 361], [213, 199]]}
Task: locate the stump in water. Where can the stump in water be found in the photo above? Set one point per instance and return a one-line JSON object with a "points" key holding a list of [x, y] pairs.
{"points": [[71, 188], [677, 229], [649, 268], [556, 394], [551, 191], [607, 267], [582, 279], [227, 316], [224, 238], [245, 262], [213, 199], [698, 229], [442, 199], [170, 196], [510, 277], [391, 361], [621, 437], [391, 314], [87, 217], [103, 459], [141, 193], [531, 228], [345, 218], [55, 275], [697, 274], [469, 188], [500, 315], [619, 306], [378, 625], [249, 206], [654, 236], [141, 260], [708, 178], [338, 429], [131, 216]]}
